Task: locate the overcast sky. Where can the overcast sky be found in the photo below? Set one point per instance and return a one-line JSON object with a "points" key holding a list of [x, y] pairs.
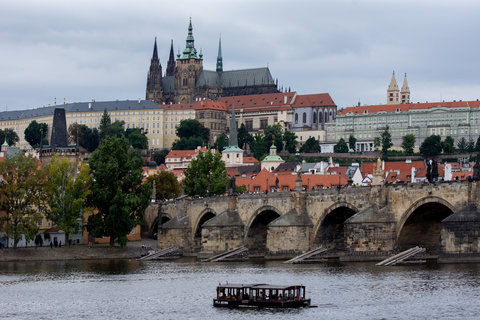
{"points": [[84, 50]]}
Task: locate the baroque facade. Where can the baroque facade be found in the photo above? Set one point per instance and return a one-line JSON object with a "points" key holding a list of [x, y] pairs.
{"points": [[185, 79]]}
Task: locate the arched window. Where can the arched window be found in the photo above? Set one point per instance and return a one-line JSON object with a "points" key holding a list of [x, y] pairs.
{"points": [[331, 115], [304, 117], [320, 117], [326, 116], [185, 81], [314, 117], [296, 117]]}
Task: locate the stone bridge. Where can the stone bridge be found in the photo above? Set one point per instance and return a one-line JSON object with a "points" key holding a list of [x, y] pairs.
{"points": [[357, 223]]}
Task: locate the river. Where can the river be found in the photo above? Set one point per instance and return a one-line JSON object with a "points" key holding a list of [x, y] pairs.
{"points": [[127, 289]]}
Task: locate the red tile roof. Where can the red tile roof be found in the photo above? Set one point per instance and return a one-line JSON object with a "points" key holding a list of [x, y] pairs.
{"points": [[408, 106], [249, 160], [313, 100], [209, 105], [394, 165], [177, 106], [180, 154], [258, 100]]}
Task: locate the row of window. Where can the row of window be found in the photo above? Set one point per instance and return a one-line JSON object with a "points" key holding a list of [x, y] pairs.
{"points": [[321, 119]]}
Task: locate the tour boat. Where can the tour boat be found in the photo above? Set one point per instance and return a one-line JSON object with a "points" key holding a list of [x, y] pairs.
{"points": [[260, 295]]}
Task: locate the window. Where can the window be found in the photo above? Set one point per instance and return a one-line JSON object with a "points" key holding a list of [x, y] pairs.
{"points": [[249, 125], [314, 117], [296, 117], [320, 117], [304, 117], [263, 123]]}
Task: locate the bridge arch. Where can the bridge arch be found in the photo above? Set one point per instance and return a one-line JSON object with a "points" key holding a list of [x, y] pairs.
{"points": [[421, 224], [255, 235], [328, 231], [204, 216], [159, 220]]}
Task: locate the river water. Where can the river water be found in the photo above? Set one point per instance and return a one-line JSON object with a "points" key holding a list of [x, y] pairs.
{"points": [[127, 289]]}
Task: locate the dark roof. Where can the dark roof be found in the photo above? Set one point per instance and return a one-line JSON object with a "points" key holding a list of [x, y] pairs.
{"points": [[236, 78], [260, 286], [286, 166], [469, 213], [80, 107], [168, 83]]}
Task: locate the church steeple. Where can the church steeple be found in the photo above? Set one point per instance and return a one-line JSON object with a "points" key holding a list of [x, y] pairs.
{"points": [[393, 91], [233, 141], [219, 58], [190, 52], [154, 78], [171, 62], [405, 93]]}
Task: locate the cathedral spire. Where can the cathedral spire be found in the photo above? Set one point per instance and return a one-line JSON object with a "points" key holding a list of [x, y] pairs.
{"points": [[154, 78], [219, 58], [155, 53], [190, 52], [171, 62]]}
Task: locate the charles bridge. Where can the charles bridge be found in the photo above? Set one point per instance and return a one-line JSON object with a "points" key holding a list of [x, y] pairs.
{"points": [[356, 223]]}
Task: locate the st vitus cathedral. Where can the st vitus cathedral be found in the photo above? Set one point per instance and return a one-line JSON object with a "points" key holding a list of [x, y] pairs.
{"points": [[185, 79]]}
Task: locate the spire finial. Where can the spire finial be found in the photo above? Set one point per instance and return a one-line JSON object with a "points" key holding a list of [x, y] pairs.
{"points": [[219, 57]]}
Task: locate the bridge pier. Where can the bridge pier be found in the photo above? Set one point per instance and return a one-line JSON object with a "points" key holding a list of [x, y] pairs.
{"points": [[370, 234]]}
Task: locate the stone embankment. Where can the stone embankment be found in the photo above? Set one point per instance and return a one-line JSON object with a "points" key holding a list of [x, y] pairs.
{"points": [[78, 252]]}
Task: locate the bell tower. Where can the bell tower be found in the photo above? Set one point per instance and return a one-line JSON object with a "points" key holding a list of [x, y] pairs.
{"points": [[393, 91], [405, 93], [189, 67]]}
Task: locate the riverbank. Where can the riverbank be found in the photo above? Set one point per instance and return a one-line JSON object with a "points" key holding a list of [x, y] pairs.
{"points": [[76, 252]]}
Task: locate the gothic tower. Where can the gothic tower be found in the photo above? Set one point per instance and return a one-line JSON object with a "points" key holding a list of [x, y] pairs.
{"points": [[171, 62], [405, 93], [154, 79], [189, 67], [393, 91]]}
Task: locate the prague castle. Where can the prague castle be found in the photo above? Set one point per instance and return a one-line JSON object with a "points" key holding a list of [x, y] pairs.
{"points": [[185, 80]]}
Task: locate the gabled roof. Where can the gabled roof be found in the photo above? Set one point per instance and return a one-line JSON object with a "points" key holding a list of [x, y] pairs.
{"points": [[180, 154], [208, 104], [236, 78], [255, 101], [313, 100]]}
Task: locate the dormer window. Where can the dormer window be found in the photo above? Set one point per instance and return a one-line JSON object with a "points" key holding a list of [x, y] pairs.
{"points": [[365, 111]]}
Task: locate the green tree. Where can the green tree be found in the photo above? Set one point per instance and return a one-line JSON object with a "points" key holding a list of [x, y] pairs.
{"points": [[341, 146], [290, 139], [477, 145], [136, 138], [431, 146], [159, 156], [386, 139], [312, 145], [271, 132], [12, 137], [206, 175], [86, 137], [36, 133], [193, 128], [190, 143], [166, 185], [470, 145], [408, 143], [448, 145], [244, 137], [105, 124], [21, 197], [259, 146], [117, 190], [376, 143], [221, 142], [351, 142], [66, 194], [462, 145]]}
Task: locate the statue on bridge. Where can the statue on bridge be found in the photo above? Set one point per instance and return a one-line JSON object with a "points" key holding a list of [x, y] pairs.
{"points": [[432, 171]]}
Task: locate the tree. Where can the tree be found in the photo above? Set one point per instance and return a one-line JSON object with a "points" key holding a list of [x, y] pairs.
{"points": [[312, 145], [190, 143], [86, 137], [35, 133], [290, 139], [193, 128], [340, 147], [386, 139], [244, 137], [118, 193], [136, 138], [272, 132], [462, 145], [159, 156], [221, 142], [66, 194], [206, 175], [21, 197], [376, 143], [448, 145], [408, 143], [470, 145], [431, 146], [166, 185], [351, 142], [12, 137], [105, 124], [259, 146], [477, 145]]}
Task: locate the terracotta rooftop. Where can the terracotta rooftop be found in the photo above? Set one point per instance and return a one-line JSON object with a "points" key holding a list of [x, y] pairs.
{"points": [[408, 106], [258, 100], [313, 100]]}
